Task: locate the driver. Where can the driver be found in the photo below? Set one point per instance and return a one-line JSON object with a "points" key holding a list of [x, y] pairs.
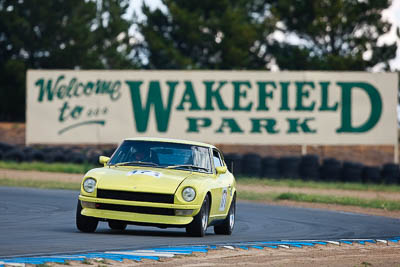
{"points": [[142, 155]]}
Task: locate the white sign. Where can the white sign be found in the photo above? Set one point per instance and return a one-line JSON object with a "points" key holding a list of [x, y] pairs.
{"points": [[221, 107]]}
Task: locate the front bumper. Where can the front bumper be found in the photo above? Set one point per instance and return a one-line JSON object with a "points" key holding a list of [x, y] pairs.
{"points": [[138, 212]]}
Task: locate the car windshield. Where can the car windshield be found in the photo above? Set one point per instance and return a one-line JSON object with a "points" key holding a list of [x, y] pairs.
{"points": [[162, 154]]}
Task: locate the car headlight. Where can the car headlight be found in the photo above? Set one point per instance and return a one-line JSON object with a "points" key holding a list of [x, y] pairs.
{"points": [[188, 194], [89, 185]]}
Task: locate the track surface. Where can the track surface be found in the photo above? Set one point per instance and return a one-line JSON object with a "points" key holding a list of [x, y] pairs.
{"points": [[35, 222]]}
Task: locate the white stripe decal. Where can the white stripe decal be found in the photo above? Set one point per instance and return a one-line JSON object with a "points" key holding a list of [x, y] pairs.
{"points": [[143, 253], [333, 242]]}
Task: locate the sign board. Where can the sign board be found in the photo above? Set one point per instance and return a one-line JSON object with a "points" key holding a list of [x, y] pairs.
{"points": [[221, 107]]}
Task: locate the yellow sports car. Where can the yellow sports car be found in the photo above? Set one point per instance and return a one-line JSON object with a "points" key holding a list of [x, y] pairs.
{"points": [[160, 182]]}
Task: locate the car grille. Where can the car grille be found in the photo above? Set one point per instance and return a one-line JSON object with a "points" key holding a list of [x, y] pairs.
{"points": [[135, 196], [136, 209]]}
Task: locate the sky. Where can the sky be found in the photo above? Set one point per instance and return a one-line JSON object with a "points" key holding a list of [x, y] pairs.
{"points": [[392, 14]]}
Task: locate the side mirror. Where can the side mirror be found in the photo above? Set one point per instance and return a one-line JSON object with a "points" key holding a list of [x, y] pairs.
{"points": [[221, 169], [104, 160]]}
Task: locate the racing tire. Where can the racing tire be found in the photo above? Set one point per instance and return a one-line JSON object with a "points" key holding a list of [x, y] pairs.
{"points": [[117, 225], [227, 226], [198, 226], [84, 223]]}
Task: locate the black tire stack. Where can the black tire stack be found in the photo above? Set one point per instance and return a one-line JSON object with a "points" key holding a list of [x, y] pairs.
{"points": [[309, 167], [236, 160], [269, 167], [352, 172], [390, 173], [289, 167], [331, 170], [371, 174], [14, 154], [251, 165]]}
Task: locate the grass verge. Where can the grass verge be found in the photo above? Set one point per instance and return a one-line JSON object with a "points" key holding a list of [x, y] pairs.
{"points": [[245, 195], [297, 183], [83, 168], [39, 184], [324, 199], [47, 167]]}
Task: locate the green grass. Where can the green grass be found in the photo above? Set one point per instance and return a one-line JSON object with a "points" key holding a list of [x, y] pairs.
{"points": [[296, 183], [325, 199], [246, 195], [39, 184], [47, 167], [82, 168]]}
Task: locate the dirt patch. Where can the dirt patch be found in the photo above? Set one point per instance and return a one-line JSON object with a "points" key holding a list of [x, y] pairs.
{"points": [[40, 176], [318, 191], [330, 255]]}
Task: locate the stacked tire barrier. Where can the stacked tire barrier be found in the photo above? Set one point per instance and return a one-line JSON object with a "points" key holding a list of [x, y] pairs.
{"points": [[311, 168], [289, 167], [234, 163], [331, 170], [308, 167], [52, 154]]}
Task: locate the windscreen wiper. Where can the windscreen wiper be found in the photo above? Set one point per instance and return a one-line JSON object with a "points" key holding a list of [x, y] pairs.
{"points": [[187, 166], [133, 163]]}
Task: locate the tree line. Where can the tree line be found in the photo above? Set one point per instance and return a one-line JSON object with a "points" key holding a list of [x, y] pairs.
{"points": [[208, 34]]}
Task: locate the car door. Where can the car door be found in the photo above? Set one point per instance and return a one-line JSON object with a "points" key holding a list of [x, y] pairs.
{"points": [[222, 187]]}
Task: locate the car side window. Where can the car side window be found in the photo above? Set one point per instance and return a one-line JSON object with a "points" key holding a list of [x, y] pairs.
{"points": [[217, 159]]}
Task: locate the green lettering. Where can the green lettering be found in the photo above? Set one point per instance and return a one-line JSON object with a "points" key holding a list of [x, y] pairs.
{"points": [[189, 97], [238, 94], [284, 96], [47, 88], [294, 125], [88, 88], [231, 124], [325, 98], [154, 98], [196, 123], [210, 94], [115, 93], [301, 93], [267, 124], [263, 94], [376, 107]]}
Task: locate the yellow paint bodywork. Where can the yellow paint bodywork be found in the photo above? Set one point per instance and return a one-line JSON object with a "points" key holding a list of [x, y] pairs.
{"points": [[171, 181]]}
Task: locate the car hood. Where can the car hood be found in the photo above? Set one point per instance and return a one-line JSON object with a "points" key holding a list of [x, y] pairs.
{"points": [[139, 179]]}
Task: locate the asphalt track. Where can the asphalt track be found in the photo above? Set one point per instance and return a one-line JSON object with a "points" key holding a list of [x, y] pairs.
{"points": [[42, 222]]}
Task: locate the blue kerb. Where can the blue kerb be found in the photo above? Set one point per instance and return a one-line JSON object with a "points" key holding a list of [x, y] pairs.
{"points": [[184, 250], [319, 242]]}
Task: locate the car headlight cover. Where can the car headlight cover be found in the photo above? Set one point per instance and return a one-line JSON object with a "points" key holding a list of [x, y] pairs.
{"points": [[89, 185], [188, 194]]}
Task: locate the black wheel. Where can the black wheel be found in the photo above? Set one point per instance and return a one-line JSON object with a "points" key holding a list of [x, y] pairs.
{"points": [[199, 224], [226, 227], [84, 223], [117, 225]]}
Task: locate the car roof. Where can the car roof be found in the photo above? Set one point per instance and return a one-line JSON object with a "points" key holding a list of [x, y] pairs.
{"points": [[170, 140]]}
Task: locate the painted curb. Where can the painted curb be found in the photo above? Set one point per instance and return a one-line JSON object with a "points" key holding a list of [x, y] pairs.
{"points": [[169, 252]]}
